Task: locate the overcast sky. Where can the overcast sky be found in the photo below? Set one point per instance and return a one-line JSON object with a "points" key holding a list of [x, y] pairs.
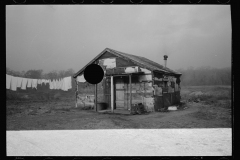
{"points": [[59, 37]]}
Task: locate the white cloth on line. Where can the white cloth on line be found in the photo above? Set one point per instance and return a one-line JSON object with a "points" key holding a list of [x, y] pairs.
{"points": [[67, 83], [50, 85], [44, 81], [39, 81], [14, 83], [19, 81], [24, 83], [54, 84], [8, 80], [57, 84], [34, 83], [60, 83], [29, 82], [47, 81], [81, 78], [63, 85]]}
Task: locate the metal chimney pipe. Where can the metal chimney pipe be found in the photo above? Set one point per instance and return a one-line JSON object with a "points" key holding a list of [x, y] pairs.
{"points": [[165, 60]]}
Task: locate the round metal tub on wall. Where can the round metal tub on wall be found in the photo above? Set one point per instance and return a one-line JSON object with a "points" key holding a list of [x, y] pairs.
{"points": [[101, 106]]}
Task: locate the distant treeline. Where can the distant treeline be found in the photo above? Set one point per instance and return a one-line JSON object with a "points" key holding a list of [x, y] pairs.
{"points": [[38, 74], [205, 76]]}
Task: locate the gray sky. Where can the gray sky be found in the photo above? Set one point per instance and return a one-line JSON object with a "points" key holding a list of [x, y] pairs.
{"points": [[59, 37]]}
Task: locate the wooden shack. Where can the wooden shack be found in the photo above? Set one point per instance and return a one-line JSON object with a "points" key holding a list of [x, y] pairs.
{"points": [[131, 79]]}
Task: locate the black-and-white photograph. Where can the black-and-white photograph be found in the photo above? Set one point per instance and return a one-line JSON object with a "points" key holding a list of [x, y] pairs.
{"points": [[118, 80]]}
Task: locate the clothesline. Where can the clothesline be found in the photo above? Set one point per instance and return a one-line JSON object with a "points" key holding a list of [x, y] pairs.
{"points": [[13, 83]]}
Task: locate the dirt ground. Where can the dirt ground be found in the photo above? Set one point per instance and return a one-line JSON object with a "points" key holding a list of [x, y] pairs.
{"points": [[202, 107]]}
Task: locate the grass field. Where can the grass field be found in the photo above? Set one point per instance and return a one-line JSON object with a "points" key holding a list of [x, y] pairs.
{"points": [[201, 107]]}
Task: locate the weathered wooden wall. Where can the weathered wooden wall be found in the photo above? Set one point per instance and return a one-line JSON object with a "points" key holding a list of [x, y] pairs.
{"points": [[139, 90]]}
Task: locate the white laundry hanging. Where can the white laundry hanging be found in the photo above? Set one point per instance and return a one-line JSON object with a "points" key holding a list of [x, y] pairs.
{"points": [[24, 83], [8, 80]]}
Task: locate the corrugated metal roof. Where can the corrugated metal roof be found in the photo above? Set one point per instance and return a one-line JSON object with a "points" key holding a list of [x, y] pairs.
{"points": [[141, 61]]}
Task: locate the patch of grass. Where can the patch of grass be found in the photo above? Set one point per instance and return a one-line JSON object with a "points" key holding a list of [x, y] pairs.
{"points": [[213, 112], [11, 95], [64, 109], [223, 97], [208, 94], [13, 110]]}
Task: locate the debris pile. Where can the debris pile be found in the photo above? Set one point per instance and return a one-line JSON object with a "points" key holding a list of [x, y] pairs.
{"points": [[138, 108]]}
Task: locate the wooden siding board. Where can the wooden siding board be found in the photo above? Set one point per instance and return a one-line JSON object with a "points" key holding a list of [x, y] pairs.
{"points": [[120, 62], [166, 100], [177, 96], [107, 91], [113, 71], [158, 103]]}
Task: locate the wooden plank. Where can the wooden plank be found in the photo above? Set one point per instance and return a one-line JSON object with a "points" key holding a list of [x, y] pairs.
{"points": [[119, 90], [96, 97], [144, 89], [126, 96], [130, 83], [119, 95], [120, 62], [112, 94], [76, 92]]}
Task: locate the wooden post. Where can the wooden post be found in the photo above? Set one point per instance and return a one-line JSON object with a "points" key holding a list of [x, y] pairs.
{"points": [[144, 89], [96, 97], [130, 83], [171, 98], [76, 92], [152, 78], [144, 95], [112, 94]]}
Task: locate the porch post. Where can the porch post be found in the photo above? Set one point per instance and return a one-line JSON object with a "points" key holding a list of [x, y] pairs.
{"points": [[96, 97], [130, 83], [112, 94], [76, 91]]}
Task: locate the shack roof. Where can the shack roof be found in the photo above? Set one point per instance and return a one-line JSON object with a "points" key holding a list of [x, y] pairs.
{"points": [[138, 60]]}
